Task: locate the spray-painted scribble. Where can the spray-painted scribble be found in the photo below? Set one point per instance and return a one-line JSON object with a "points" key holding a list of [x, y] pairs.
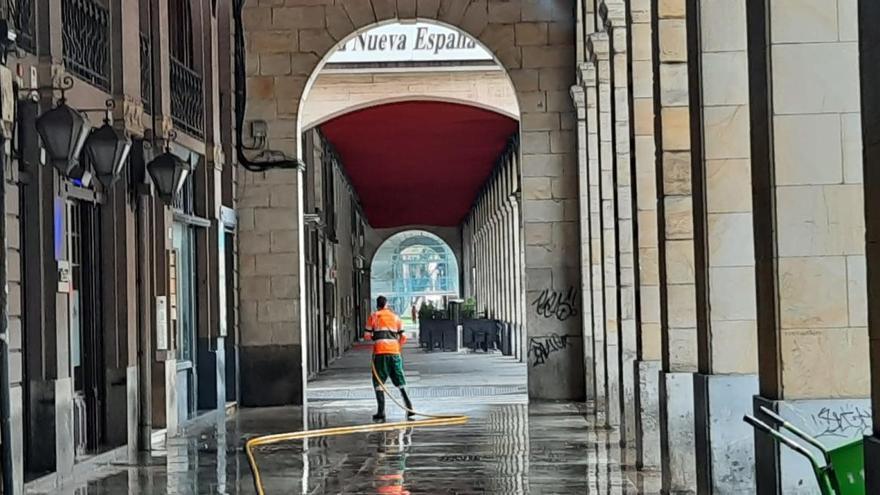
{"points": [[541, 348], [844, 422], [560, 305]]}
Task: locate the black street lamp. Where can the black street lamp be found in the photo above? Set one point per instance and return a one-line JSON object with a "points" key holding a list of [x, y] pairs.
{"points": [[107, 149], [169, 173], [64, 131]]}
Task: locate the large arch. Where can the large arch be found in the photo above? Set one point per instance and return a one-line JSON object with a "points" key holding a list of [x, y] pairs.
{"points": [[534, 42]]}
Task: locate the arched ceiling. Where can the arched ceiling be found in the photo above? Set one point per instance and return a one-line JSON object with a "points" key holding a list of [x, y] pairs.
{"points": [[419, 162]]}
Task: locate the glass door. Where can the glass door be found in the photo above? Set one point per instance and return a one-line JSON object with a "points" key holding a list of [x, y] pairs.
{"points": [[184, 315]]}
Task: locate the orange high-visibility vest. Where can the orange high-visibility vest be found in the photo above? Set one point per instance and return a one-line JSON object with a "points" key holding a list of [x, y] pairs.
{"points": [[383, 327]]}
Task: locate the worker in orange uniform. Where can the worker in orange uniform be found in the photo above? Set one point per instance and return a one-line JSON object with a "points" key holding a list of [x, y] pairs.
{"points": [[386, 330]]}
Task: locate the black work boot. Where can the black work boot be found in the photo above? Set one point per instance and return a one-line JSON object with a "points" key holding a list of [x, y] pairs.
{"points": [[380, 401], [408, 403]]}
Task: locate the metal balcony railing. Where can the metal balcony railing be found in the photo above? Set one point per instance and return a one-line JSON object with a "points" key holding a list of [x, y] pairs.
{"points": [[147, 72], [187, 99], [86, 40], [21, 14]]}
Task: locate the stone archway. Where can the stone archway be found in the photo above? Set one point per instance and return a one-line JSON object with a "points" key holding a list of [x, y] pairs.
{"points": [[535, 43], [386, 279]]}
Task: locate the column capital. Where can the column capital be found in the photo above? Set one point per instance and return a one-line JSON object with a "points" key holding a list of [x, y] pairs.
{"points": [[587, 74], [597, 46], [130, 111], [613, 14], [579, 98]]}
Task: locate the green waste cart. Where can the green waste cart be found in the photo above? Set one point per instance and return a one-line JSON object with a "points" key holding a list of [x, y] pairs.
{"points": [[841, 471]]}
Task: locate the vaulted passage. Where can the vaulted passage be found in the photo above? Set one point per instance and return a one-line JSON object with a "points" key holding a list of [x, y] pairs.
{"points": [[420, 162]]}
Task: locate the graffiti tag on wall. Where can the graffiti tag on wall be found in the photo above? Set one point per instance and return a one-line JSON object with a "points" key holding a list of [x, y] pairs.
{"points": [[552, 304], [541, 348], [843, 422]]}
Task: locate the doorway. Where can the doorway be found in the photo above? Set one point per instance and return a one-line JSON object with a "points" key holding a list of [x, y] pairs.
{"points": [[86, 332]]}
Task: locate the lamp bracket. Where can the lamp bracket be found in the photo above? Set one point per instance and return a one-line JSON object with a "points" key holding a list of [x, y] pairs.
{"points": [[169, 138], [65, 83], [109, 107]]}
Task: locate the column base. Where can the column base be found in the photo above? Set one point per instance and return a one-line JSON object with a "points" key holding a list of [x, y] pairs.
{"points": [[677, 442], [872, 464], [132, 411], [172, 414], [16, 402], [612, 372], [600, 404], [41, 427], [65, 443], [724, 442], [556, 375], [647, 400], [833, 422], [271, 375], [589, 374], [628, 388]]}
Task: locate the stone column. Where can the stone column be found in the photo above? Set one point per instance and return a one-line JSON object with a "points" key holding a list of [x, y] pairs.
{"points": [[507, 275], [608, 197], [809, 240], [271, 350], [493, 286], [727, 344], [480, 260], [614, 13], [579, 97], [648, 363], [676, 255], [590, 81], [869, 60], [519, 246]]}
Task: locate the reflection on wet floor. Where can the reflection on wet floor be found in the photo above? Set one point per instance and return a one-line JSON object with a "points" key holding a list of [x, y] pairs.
{"points": [[508, 447]]}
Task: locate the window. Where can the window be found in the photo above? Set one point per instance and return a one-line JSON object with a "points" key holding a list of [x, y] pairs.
{"points": [[181, 31]]}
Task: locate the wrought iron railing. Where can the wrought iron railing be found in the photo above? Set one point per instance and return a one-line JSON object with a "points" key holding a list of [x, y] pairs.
{"points": [[86, 40], [187, 100], [147, 72], [21, 14]]}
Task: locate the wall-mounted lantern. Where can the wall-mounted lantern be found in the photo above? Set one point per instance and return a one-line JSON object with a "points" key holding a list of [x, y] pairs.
{"points": [[64, 131], [107, 148], [169, 172]]}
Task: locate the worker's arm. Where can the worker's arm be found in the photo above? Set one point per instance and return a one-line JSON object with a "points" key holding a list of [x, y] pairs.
{"points": [[368, 331], [401, 336]]}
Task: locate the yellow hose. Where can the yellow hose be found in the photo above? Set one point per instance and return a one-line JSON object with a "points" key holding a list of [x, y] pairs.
{"points": [[436, 420]]}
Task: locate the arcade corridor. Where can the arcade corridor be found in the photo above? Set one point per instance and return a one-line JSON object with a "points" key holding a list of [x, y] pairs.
{"points": [[661, 216]]}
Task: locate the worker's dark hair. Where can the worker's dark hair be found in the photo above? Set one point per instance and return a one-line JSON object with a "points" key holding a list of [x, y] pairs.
{"points": [[381, 302]]}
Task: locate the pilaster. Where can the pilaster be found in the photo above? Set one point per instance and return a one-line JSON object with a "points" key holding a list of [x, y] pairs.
{"points": [[676, 241]]}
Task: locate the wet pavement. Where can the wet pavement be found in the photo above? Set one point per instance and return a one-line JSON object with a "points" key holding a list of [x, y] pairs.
{"points": [[507, 447]]}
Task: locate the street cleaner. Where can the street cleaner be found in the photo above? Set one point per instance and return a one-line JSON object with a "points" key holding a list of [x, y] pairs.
{"points": [[386, 331]]}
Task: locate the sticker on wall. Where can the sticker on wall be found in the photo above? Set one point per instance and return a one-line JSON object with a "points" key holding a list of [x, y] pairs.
{"points": [[64, 276], [161, 323]]}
